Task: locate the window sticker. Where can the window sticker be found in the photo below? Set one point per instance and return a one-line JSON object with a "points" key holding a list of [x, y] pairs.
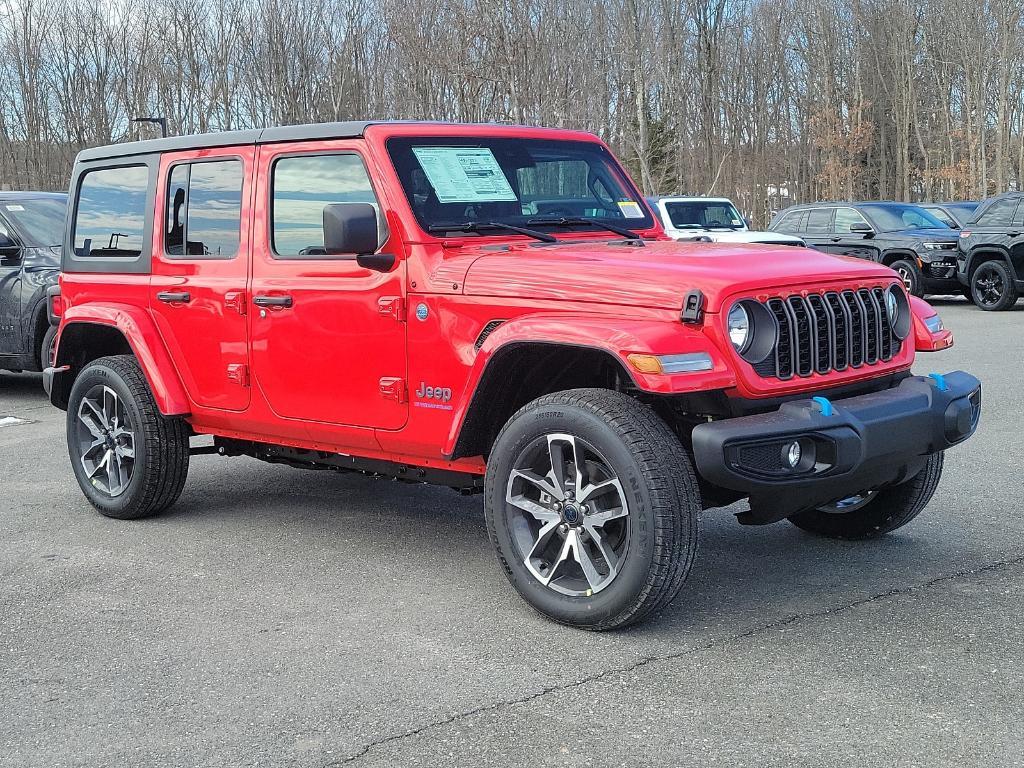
{"points": [[15, 208], [464, 174], [631, 209]]}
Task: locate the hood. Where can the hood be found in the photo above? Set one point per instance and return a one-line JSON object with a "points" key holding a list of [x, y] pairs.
{"points": [[735, 236], [658, 275], [945, 234]]}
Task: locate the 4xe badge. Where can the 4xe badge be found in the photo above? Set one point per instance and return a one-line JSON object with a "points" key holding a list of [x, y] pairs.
{"points": [[433, 397]]}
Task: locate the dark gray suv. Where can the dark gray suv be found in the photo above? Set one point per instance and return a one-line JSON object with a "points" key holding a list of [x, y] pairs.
{"points": [[900, 235], [31, 230]]}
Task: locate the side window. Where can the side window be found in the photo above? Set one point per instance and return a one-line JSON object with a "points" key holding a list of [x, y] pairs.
{"points": [[301, 187], [204, 209], [941, 215], [1018, 217], [819, 220], [998, 214], [110, 219], [846, 217], [794, 222]]}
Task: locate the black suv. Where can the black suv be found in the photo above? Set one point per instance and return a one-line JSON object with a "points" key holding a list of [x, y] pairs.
{"points": [[903, 236], [31, 229], [990, 259]]}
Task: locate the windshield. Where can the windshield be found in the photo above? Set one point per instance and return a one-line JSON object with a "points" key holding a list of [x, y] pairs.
{"points": [[704, 214], [890, 217], [534, 183], [39, 221]]}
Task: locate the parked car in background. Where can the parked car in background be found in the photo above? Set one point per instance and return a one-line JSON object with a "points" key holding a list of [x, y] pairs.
{"points": [[902, 236], [31, 230], [952, 214], [711, 219], [990, 257]]}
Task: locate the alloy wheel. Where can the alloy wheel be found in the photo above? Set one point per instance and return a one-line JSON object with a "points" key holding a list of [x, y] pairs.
{"points": [[907, 277], [567, 515], [989, 285], [105, 439], [849, 504]]}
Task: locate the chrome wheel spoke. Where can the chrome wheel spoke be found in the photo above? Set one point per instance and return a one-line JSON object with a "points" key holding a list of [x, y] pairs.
{"points": [[567, 465], [563, 555], [91, 416]]}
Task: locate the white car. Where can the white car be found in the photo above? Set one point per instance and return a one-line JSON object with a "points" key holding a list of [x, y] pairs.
{"points": [[711, 219]]}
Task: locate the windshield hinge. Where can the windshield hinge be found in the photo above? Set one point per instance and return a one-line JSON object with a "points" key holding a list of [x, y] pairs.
{"points": [[693, 307]]}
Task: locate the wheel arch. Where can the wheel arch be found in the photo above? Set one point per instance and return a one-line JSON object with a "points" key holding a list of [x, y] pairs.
{"points": [[890, 257], [90, 332], [534, 356], [986, 252]]}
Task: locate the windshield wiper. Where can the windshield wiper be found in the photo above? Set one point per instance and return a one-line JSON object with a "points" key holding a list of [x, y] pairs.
{"points": [[577, 221], [484, 226]]}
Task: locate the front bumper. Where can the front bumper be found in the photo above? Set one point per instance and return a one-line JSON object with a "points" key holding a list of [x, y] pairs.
{"points": [[846, 447]]}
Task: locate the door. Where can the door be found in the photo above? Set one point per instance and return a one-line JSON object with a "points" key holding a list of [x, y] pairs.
{"points": [[328, 335], [10, 291], [845, 242], [200, 270], [818, 229]]}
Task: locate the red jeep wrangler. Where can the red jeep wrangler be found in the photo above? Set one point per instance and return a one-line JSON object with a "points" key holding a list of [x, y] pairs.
{"points": [[494, 309]]}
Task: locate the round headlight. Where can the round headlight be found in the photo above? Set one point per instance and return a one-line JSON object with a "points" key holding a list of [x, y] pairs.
{"points": [[739, 327], [892, 307]]}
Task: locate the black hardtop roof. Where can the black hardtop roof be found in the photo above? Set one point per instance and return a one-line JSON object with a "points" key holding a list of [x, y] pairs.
{"points": [[309, 132], [25, 195]]}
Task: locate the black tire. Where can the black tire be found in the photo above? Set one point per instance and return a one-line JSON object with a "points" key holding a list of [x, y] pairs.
{"points": [[160, 444], [992, 287], [656, 484], [911, 276], [890, 508], [46, 348]]}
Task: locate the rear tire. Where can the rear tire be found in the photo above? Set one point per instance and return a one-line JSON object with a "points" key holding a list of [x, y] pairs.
{"points": [[129, 459], [46, 349], [638, 532], [888, 509], [911, 276], [992, 287]]}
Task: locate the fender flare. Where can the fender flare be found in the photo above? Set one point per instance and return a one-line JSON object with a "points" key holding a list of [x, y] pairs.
{"points": [[139, 330], [978, 253], [612, 336], [896, 254], [925, 340]]}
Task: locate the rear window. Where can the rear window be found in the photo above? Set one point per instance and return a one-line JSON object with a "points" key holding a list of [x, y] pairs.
{"points": [[110, 219], [999, 213]]}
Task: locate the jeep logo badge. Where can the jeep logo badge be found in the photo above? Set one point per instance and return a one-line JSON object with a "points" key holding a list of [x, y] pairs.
{"points": [[442, 394]]}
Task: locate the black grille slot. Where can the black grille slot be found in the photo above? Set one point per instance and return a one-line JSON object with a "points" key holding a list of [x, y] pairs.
{"points": [[831, 331], [488, 329]]}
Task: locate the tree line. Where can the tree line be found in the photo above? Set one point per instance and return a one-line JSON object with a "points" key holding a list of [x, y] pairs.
{"points": [[766, 101]]}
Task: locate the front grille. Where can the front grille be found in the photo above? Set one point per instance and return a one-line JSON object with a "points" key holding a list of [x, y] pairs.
{"points": [[831, 331]]}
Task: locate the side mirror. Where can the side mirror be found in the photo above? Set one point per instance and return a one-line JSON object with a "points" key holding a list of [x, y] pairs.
{"points": [[350, 228], [862, 228]]}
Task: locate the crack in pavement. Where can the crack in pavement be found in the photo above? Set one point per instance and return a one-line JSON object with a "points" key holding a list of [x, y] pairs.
{"points": [[647, 660]]}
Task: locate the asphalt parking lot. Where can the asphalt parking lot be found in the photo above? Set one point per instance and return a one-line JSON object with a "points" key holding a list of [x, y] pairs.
{"points": [[279, 617]]}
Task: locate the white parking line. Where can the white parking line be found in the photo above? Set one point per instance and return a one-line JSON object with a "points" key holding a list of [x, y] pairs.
{"points": [[12, 421]]}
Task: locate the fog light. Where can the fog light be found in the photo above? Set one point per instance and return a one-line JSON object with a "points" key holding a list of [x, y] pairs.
{"points": [[793, 454]]}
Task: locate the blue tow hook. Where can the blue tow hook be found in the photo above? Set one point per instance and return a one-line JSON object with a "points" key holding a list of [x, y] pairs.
{"points": [[940, 381], [826, 406]]}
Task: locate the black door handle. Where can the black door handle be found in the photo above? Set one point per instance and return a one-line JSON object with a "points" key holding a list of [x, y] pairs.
{"points": [[272, 301], [173, 297]]}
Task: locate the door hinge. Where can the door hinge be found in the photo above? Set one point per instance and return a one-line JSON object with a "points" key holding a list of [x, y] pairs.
{"points": [[235, 300], [392, 388], [392, 305], [239, 373]]}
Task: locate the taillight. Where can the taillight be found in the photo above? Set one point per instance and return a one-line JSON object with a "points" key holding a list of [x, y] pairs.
{"points": [[57, 306]]}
